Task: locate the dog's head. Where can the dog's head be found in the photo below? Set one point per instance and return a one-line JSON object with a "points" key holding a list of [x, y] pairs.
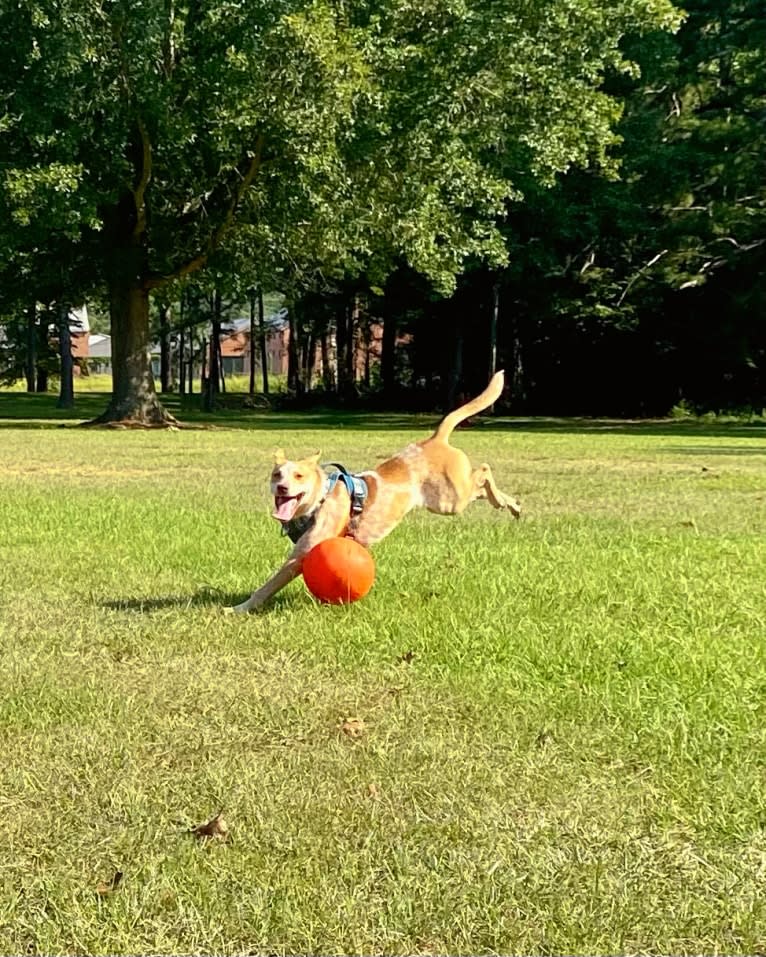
{"points": [[296, 486]]}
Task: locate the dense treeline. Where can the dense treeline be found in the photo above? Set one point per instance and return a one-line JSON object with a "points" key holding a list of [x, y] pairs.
{"points": [[576, 192]]}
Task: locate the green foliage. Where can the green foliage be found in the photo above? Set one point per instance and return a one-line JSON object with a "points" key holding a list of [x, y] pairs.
{"points": [[385, 129]]}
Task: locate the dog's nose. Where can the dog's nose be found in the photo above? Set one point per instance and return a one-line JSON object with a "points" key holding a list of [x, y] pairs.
{"points": [[282, 490]]}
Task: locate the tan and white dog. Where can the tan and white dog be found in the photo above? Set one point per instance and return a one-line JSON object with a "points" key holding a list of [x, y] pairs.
{"points": [[430, 473]]}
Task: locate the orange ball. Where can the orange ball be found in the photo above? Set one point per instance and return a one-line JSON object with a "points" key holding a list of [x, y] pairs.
{"points": [[338, 571]]}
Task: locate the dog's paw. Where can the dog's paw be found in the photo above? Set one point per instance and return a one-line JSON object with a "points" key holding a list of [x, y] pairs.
{"points": [[513, 507], [242, 609]]}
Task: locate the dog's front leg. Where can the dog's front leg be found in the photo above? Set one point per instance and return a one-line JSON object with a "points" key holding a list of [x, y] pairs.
{"points": [[331, 521], [290, 570]]}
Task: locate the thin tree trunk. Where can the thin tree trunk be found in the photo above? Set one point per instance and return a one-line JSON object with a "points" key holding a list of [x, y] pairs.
{"points": [[493, 322], [214, 353], [455, 370], [191, 362], [518, 396], [30, 363], [251, 344], [388, 354], [494, 317], [203, 367], [351, 342], [328, 377], [42, 350], [222, 375], [367, 340], [181, 362], [309, 361], [66, 392], [262, 341], [164, 348], [293, 367], [345, 348]]}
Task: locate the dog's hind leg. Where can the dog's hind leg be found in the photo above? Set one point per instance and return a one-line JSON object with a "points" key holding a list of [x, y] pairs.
{"points": [[485, 486]]}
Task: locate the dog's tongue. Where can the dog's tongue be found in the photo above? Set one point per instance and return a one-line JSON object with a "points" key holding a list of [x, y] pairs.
{"points": [[284, 508]]}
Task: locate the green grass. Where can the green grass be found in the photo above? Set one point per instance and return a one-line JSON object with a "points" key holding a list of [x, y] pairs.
{"points": [[102, 382], [572, 761]]}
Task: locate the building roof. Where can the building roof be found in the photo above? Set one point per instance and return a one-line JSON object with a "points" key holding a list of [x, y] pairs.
{"points": [[100, 347]]}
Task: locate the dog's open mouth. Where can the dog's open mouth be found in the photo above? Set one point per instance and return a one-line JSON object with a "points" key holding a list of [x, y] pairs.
{"points": [[285, 506]]}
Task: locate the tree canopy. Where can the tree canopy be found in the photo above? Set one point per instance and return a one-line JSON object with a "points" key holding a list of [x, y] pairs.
{"points": [[141, 141]]}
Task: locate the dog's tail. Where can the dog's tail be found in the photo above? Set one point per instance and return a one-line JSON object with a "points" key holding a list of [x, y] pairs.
{"points": [[490, 395]]}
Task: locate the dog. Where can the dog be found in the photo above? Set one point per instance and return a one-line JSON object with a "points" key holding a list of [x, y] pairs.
{"points": [[430, 474]]}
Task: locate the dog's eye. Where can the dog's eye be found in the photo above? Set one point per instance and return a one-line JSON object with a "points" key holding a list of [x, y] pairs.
{"points": [[299, 476]]}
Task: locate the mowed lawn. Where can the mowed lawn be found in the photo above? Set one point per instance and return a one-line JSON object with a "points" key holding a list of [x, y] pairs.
{"points": [[545, 736]]}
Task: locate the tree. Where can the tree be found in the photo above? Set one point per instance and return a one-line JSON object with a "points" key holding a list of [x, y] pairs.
{"points": [[344, 134], [625, 294]]}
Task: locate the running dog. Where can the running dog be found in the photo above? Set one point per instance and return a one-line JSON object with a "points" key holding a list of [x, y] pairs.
{"points": [[313, 506]]}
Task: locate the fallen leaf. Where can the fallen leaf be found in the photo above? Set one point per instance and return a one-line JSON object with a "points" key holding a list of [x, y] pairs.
{"points": [[373, 792], [406, 657], [215, 828], [109, 887], [352, 727]]}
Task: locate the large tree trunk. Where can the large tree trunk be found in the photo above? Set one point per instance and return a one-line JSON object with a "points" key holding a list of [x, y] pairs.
{"points": [[30, 362], [134, 399], [66, 392]]}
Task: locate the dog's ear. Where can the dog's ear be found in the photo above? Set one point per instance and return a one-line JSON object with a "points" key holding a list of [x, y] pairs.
{"points": [[279, 457], [314, 459]]}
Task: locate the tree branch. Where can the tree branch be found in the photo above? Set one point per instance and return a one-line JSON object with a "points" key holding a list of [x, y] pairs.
{"points": [[200, 259], [640, 273], [139, 192]]}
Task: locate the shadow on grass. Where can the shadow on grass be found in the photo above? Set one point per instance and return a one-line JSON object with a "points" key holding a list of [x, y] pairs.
{"points": [[203, 598], [18, 410]]}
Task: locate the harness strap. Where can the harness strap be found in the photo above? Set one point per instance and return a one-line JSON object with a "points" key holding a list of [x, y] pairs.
{"points": [[357, 491], [355, 486]]}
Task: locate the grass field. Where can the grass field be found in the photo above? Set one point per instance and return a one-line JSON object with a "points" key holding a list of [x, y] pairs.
{"points": [[101, 382], [559, 735]]}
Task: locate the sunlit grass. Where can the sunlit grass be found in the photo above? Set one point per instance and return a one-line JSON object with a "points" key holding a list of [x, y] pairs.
{"points": [[570, 762], [102, 382]]}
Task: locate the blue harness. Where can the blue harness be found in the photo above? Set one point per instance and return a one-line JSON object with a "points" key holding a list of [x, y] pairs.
{"points": [[357, 492]]}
